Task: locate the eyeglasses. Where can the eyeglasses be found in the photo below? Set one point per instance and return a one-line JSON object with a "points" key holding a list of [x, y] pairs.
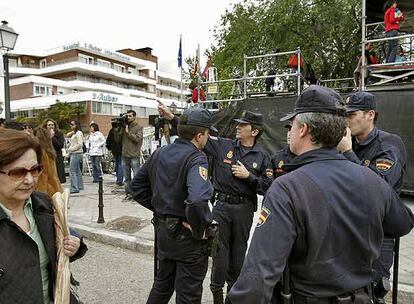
{"points": [[20, 173]]}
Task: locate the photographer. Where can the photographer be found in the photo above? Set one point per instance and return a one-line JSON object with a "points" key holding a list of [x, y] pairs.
{"points": [[130, 134]]}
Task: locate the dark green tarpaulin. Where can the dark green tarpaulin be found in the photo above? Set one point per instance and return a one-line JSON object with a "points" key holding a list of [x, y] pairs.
{"points": [[396, 115]]}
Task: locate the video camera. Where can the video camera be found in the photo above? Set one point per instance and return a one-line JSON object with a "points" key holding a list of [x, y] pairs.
{"points": [[120, 121]]}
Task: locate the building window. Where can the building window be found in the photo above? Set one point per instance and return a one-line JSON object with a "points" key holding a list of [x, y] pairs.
{"points": [[117, 109], [43, 63], [103, 63], [151, 88], [85, 59], [101, 108], [42, 90], [119, 68]]}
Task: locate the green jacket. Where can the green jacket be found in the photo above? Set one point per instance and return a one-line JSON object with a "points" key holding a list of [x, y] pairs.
{"points": [[131, 140]]}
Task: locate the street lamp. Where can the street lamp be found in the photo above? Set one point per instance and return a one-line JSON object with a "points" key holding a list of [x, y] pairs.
{"points": [[8, 39]]}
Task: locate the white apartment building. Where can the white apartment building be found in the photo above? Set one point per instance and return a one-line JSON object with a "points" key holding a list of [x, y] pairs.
{"points": [[107, 82]]}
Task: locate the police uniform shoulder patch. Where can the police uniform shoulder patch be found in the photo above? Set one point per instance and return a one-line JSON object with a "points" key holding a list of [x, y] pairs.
{"points": [[281, 164], [383, 164], [269, 173], [263, 216], [254, 165], [203, 173], [229, 154]]}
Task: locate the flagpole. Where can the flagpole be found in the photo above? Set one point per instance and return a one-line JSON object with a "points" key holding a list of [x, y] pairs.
{"points": [[181, 75]]}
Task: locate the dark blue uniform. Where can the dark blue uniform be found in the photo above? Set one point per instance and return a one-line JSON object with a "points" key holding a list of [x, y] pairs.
{"points": [[236, 201], [322, 225], [384, 153], [280, 159], [174, 183]]}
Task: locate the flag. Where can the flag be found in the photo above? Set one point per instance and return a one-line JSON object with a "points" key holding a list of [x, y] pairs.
{"points": [[205, 71], [197, 60], [180, 55]]}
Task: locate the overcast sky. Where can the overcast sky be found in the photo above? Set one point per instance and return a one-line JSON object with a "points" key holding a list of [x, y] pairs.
{"points": [[46, 24]]}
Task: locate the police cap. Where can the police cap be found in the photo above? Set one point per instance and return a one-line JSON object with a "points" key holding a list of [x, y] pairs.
{"points": [[319, 100], [360, 101], [250, 118], [199, 117]]}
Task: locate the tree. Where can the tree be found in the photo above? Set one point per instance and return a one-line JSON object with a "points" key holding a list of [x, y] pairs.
{"points": [[327, 32], [61, 112]]}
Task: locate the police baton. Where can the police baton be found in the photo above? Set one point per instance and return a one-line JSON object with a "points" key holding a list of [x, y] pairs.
{"points": [[286, 295], [395, 271]]}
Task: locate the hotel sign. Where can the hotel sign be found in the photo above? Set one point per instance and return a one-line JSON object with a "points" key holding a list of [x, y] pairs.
{"points": [[104, 97], [94, 48]]}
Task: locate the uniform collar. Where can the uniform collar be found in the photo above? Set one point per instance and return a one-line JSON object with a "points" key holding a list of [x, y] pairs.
{"points": [[255, 147], [371, 136], [182, 141], [313, 156]]}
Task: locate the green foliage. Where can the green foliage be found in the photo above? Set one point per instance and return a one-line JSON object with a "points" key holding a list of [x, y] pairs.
{"points": [[326, 31], [61, 112]]}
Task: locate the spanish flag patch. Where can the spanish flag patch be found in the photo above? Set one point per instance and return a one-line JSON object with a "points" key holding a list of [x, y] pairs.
{"points": [[203, 172], [383, 164], [264, 214]]}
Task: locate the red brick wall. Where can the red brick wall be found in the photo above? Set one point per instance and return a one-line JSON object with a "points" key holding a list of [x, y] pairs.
{"points": [[21, 91]]}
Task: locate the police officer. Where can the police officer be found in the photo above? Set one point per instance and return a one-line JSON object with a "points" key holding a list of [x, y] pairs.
{"points": [[241, 170], [325, 218], [283, 156], [382, 152], [174, 183]]}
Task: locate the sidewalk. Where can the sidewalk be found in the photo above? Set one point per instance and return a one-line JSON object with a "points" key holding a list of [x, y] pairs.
{"points": [[122, 216]]}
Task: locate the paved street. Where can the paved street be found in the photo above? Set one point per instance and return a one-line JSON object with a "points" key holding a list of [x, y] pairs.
{"points": [[114, 275]]}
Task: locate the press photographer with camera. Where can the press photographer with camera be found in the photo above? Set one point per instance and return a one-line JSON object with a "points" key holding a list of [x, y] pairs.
{"points": [[130, 134]]}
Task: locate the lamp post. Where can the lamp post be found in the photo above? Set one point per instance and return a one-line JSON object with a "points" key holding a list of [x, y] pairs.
{"points": [[8, 39]]}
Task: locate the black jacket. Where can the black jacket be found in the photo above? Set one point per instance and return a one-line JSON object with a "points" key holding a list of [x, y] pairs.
{"points": [[326, 219], [20, 277]]}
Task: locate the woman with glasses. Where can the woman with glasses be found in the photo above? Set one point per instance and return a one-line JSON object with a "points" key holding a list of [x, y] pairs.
{"points": [[48, 182], [58, 142], [75, 151], [27, 233]]}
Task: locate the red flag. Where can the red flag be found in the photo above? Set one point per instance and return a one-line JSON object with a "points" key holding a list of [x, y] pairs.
{"points": [[205, 71]]}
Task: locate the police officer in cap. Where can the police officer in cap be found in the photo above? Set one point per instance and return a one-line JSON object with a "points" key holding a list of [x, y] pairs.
{"points": [[283, 156], [241, 170], [382, 152], [316, 219], [174, 183]]}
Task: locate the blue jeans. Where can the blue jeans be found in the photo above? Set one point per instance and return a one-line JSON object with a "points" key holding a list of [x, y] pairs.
{"points": [[130, 164], [96, 167], [119, 169], [392, 46], [76, 180]]}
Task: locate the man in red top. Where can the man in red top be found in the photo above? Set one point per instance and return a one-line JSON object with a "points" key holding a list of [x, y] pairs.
{"points": [[392, 18]]}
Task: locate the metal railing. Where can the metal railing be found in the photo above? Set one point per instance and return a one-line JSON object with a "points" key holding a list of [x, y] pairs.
{"points": [[243, 82]]}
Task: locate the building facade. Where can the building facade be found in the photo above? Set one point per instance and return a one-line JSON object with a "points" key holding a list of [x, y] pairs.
{"points": [[105, 83]]}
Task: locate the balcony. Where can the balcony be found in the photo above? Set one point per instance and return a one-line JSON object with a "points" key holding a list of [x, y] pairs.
{"points": [[80, 64]]}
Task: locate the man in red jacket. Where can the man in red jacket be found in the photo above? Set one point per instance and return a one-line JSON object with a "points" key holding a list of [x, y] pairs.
{"points": [[392, 18]]}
